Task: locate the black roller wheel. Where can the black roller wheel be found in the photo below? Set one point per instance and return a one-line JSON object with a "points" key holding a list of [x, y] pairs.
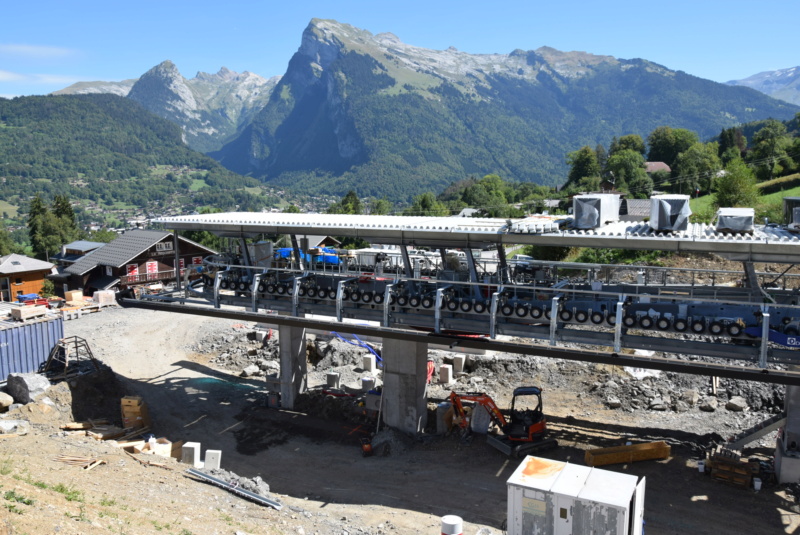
{"points": [[716, 328], [378, 298], [355, 296], [224, 284], [681, 325], [302, 291], [611, 319], [311, 292], [535, 312], [646, 322], [345, 295], [428, 302], [521, 311], [506, 310], [480, 307], [581, 316], [735, 329], [270, 288], [290, 289], [597, 318], [414, 301], [663, 323], [242, 286], [366, 297], [565, 315], [261, 287], [452, 305], [402, 300], [547, 313], [698, 326], [629, 321], [281, 289], [466, 306]]}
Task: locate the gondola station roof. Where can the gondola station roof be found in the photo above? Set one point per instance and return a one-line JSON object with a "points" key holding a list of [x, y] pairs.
{"points": [[769, 243]]}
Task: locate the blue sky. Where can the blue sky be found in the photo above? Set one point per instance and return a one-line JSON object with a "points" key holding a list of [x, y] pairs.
{"points": [[46, 45]]}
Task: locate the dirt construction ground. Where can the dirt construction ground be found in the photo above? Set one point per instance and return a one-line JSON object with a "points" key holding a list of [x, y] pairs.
{"points": [[311, 458]]}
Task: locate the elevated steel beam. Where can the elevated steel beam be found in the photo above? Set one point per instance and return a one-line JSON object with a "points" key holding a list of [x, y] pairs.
{"points": [[656, 363]]}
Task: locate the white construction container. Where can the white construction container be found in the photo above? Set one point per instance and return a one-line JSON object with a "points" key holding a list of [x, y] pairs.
{"points": [[669, 212], [547, 497], [595, 209]]}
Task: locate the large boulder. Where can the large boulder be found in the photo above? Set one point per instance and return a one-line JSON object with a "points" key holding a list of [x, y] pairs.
{"points": [[5, 401], [736, 404], [25, 387]]}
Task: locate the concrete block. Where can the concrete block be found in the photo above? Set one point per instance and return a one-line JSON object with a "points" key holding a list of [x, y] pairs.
{"points": [[444, 418], [212, 459], [190, 454], [368, 363], [367, 384], [332, 379], [446, 374], [458, 363]]}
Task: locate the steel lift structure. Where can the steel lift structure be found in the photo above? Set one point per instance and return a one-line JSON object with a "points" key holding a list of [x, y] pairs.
{"points": [[478, 299]]}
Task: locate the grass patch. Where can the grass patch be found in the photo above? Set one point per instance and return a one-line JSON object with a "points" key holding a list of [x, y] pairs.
{"points": [[72, 495], [12, 496], [198, 184], [8, 208], [6, 466], [107, 502]]}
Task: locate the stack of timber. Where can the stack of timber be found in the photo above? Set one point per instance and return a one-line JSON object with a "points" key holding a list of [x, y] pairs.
{"points": [[647, 451], [727, 465]]}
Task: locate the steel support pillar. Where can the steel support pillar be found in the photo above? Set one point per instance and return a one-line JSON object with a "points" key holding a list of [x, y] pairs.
{"points": [[292, 343], [404, 385]]}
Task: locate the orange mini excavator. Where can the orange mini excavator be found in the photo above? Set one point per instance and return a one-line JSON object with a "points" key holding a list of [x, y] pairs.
{"points": [[522, 432]]}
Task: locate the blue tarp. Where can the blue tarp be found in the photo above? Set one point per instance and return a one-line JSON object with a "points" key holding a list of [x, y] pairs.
{"points": [[329, 256], [27, 297]]}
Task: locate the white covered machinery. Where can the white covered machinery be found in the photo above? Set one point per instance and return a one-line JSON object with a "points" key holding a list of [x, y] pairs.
{"points": [[547, 497]]}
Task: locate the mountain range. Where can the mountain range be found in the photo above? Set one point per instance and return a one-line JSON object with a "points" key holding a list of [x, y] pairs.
{"points": [[368, 112], [210, 108], [783, 84]]}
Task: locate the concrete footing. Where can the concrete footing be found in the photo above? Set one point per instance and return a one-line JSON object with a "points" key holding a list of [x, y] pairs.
{"points": [[446, 374], [458, 363], [368, 364], [294, 381], [190, 454], [212, 459]]}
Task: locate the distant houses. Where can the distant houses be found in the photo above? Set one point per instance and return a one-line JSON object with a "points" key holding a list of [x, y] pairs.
{"points": [[21, 275]]}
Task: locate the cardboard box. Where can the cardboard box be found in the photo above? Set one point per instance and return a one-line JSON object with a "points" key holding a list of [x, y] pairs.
{"points": [[74, 295], [104, 297], [134, 412], [26, 312], [162, 447]]}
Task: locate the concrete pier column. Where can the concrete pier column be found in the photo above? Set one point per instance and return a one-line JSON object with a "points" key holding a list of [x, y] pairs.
{"points": [[292, 343], [405, 368]]}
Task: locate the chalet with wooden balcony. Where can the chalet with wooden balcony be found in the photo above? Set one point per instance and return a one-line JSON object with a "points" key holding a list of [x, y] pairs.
{"points": [[134, 258], [22, 275]]}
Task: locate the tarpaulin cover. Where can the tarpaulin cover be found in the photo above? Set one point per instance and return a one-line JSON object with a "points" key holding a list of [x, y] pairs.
{"points": [[735, 219], [592, 211], [669, 212]]}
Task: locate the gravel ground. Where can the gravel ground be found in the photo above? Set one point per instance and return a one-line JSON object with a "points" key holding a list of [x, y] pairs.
{"points": [[190, 370]]}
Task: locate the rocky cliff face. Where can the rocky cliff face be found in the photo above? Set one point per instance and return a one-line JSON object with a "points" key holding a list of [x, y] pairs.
{"points": [[783, 84], [368, 112], [210, 108]]}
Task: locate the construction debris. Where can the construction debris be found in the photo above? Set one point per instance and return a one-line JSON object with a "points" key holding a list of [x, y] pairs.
{"points": [[87, 463], [727, 465]]}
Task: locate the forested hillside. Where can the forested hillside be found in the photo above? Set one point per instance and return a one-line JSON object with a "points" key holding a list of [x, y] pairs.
{"points": [[107, 151]]}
